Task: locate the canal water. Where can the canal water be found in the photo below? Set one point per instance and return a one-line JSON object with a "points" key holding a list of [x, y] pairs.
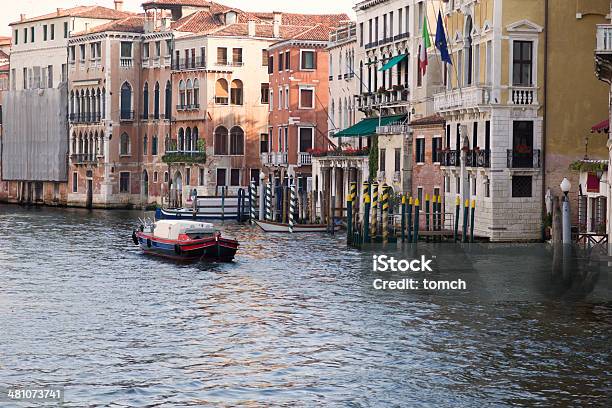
{"points": [[293, 322]]}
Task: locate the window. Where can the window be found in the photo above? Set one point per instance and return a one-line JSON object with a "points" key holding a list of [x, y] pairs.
{"points": [[168, 101], [473, 185], [126, 49], [420, 16], [286, 141], [157, 48], [124, 148], [196, 93], [45, 32], [264, 58], [488, 60], [202, 175], [280, 98], [420, 150], [124, 182], [307, 98], [155, 177], [457, 185], [398, 159], [221, 177], [306, 139], [383, 160], [32, 34], [286, 96], [82, 52], [220, 142], [156, 101], [166, 177], [288, 60], [221, 94], [65, 29], [236, 141], [75, 182], [271, 101], [145, 101], [145, 145], [237, 56], [202, 56], [236, 92], [182, 97], [25, 35], [522, 63], [420, 196], [307, 60], [399, 20], [270, 64], [361, 34], [475, 135], [234, 177], [188, 176], [265, 93], [145, 50], [221, 56], [263, 143], [72, 54], [126, 101], [154, 147], [281, 62], [487, 135], [189, 92], [169, 48], [16, 37], [487, 187], [447, 184], [521, 186], [436, 146]]}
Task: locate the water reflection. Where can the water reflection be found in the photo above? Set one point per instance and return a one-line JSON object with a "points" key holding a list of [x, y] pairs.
{"points": [[294, 321]]}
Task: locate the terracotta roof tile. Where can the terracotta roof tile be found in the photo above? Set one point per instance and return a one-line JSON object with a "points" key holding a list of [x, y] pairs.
{"points": [[132, 24], [193, 3], [81, 11], [435, 119], [3, 55]]}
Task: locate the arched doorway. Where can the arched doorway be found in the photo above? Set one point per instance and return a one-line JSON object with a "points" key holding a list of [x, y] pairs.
{"points": [[145, 184], [177, 189]]}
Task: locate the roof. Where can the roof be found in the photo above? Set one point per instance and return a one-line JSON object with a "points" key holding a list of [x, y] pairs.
{"points": [[601, 127], [131, 24], [193, 3], [80, 11], [5, 40], [367, 127], [5, 67], [435, 119], [3, 55]]}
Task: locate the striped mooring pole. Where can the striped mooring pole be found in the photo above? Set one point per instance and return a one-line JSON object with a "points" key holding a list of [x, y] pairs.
{"points": [[353, 198], [440, 223], [252, 202], [427, 216], [349, 219], [268, 201], [410, 219], [403, 217], [415, 237], [373, 226], [385, 213], [472, 220], [457, 207], [366, 218], [292, 205], [466, 210]]}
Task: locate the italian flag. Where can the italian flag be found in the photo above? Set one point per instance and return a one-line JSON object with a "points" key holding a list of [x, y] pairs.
{"points": [[426, 43]]}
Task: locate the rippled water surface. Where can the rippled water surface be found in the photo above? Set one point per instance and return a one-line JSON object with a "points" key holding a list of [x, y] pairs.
{"points": [[293, 322]]}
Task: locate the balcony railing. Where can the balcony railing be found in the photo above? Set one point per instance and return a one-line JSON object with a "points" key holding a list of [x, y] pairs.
{"points": [[604, 39], [266, 158], [126, 62], [85, 117], [461, 98], [304, 159], [523, 95], [221, 100], [83, 158], [478, 158], [126, 115], [394, 129], [183, 64], [449, 157], [523, 159], [184, 156]]}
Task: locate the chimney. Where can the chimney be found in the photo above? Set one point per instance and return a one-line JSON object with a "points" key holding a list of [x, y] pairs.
{"points": [[278, 18], [22, 17], [59, 11], [251, 27], [119, 5]]}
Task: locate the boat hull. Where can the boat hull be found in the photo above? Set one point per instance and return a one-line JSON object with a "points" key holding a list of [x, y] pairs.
{"points": [[214, 247], [187, 214], [271, 226]]}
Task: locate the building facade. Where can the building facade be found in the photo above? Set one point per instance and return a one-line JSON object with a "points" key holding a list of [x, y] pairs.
{"points": [[500, 133]]}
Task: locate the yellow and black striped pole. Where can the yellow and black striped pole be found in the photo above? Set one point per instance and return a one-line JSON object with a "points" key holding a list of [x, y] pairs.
{"points": [[465, 220], [427, 216], [385, 213], [410, 219], [373, 224], [457, 208], [472, 220], [353, 198], [440, 217]]}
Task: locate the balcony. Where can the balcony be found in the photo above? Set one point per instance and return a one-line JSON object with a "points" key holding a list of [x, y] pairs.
{"points": [[274, 158], [393, 129], [83, 158], [523, 158], [266, 158], [79, 118], [126, 62], [449, 158], [126, 116], [478, 158], [603, 53], [184, 156], [401, 36], [221, 100], [304, 159], [461, 98], [523, 95], [187, 64]]}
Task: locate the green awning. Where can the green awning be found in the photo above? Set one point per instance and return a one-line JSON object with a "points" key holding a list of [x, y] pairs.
{"points": [[367, 127], [393, 62]]}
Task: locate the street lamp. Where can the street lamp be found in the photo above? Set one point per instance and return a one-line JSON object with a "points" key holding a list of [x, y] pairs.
{"points": [[567, 229]]}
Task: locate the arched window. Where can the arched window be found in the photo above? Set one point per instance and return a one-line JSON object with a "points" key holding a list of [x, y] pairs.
{"points": [[154, 146], [103, 103], [468, 51], [145, 101], [236, 141], [71, 105], [145, 144], [168, 101], [188, 139], [166, 178], [236, 92], [74, 143], [156, 102], [167, 145], [126, 101], [221, 140], [196, 93], [369, 75], [221, 95], [124, 148], [181, 140], [375, 68], [189, 92], [182, 93], [194, 136], [361, 77]]}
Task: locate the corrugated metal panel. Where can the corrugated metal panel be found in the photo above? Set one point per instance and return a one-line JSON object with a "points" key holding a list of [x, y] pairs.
{"points": [[35, 140]]}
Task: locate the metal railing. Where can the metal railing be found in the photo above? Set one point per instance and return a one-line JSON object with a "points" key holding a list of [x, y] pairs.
{"points": [[190, 63], [126, 115], [83, 158], [91, 117], [478, 158], [449, 157], [523, 160]]}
